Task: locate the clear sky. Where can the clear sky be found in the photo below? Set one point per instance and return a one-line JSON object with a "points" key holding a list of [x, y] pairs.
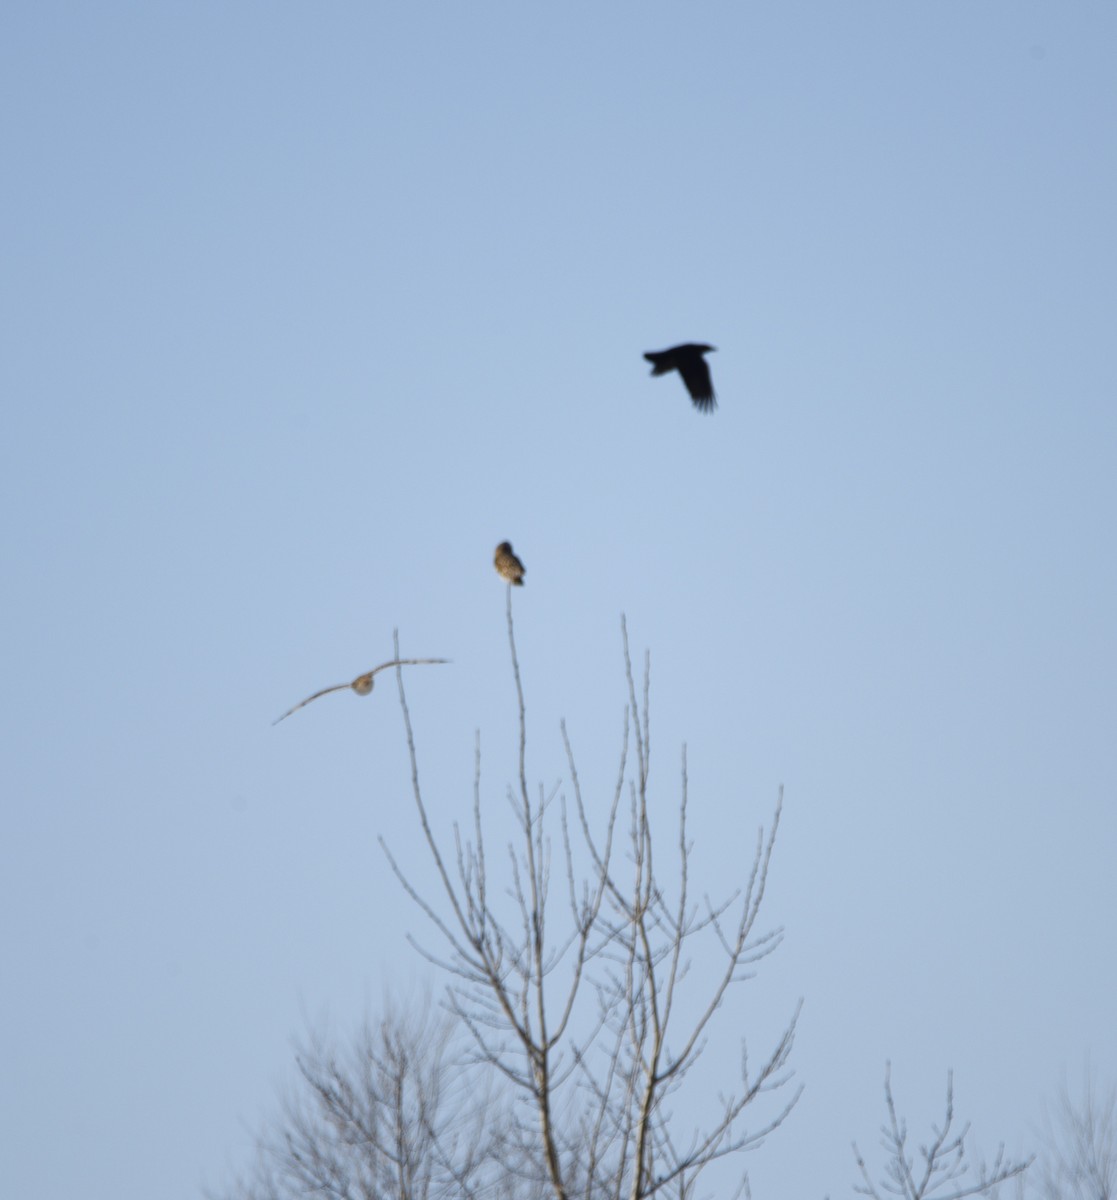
{"points": [[308, 305]]}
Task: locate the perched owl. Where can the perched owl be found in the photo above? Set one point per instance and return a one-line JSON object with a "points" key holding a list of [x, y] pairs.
{"points": [[362, 685], [508, 566], [688, 361]]}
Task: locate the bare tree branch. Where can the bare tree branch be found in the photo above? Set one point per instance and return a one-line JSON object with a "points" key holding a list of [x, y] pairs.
{"points": [[575, 1013], [940, 1169]]}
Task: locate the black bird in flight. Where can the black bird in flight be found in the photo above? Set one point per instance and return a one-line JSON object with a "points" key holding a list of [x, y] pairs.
{"points": [[508, 566], [362, 685], [688, 361]]}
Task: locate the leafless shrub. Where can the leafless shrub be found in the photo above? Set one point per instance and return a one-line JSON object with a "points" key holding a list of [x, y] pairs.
{"points": [[1078, 1160], [386, 1119], [941, 1168]]}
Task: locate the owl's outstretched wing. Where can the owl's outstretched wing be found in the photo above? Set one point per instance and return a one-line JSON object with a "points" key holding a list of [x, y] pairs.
{"points": [[403, 662], [338, 687]]}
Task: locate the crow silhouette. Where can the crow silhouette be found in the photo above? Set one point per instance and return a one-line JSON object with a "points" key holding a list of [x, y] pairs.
{"points": [[688, 361]]}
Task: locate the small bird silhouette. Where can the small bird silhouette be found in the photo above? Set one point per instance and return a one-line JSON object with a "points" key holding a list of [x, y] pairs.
{"points": [[362, 685], [508, 566], [688, 361]]}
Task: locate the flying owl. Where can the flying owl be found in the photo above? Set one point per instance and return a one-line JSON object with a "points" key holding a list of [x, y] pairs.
{"points": [[362, 685]]}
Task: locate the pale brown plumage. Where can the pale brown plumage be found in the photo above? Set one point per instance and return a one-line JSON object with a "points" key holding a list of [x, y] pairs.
{"points": [[508, 566], [362, 685]]}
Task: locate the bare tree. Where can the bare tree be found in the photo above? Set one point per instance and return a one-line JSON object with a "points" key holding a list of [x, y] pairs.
{"points": [[388, 1119], [941, 1168], [1079, 1156], [593, 1010]]}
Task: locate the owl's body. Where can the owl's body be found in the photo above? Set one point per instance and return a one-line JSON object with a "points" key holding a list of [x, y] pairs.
{"points": [[508, 566]]}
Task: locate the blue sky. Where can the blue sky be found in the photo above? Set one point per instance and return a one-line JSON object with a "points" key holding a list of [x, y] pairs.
{"points": [[307, 306]]}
